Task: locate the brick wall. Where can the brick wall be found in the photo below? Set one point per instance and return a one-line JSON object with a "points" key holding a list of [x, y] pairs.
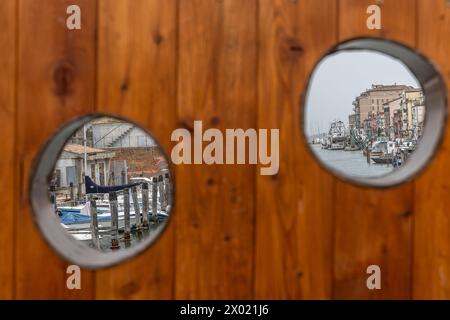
{"points": [[145, 161]]}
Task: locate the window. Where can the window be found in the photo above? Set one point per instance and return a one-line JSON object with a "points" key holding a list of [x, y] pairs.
{"points": [[101, 173], [57, 178], [93, 173], [71, 176]]}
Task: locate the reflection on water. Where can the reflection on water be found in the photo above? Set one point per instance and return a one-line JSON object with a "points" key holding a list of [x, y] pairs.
{"points": [[352, 163]]}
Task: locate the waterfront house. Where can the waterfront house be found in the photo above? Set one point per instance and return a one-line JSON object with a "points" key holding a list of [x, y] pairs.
{"points": [[390, 108], [413, 111], [372, 100], [69, 169]]}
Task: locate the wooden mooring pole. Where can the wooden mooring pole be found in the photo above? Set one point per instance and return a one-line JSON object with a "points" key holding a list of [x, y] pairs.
{"points": [[94, 222], [145, 208], [53, 197], [162, 194], [137, 211], [114, 220], [155, 199], [167, 191], [368, 154], [71, 193], [126, 213]]}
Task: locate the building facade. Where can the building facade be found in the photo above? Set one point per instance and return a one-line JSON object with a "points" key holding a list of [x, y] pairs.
{"points": [[113, 133], [413, 112], [370, 103], [390, 108], [352, 121], [394, 111], [70, 170]]}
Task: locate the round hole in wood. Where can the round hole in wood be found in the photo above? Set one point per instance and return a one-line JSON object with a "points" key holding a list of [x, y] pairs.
{"points": [[101, 191], [374, 112]]}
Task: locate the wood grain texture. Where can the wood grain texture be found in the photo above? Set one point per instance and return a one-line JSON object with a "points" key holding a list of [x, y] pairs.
{"points": [[216, 84], [55, 84], [294, 227], [431, 200], [374, 226], [137, 79], [7, 134], [300, 234], [398, 19]]}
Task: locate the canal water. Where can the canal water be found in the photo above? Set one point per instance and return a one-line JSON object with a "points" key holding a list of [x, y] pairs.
{"points": [[350, 163]]}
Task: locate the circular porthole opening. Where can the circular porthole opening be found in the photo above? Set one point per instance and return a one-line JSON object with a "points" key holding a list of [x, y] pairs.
{"points": [[101, 191], [374, 112]]}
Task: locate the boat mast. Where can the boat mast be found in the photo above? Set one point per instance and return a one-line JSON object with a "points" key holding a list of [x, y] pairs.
{"points": [[85, 157]]}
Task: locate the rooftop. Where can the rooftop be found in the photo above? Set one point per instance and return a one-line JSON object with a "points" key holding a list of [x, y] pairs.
{"points": [[381, 87], [79, 149]]}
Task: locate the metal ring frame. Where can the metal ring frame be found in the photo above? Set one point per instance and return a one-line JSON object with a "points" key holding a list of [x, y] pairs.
{"points": [[435, 93], [49, 225]]}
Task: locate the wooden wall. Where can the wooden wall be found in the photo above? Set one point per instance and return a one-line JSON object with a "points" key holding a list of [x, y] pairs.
{"points": [[301, 234]]}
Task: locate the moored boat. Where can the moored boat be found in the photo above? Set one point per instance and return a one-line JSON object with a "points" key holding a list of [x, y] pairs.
{"points": [[383, 152], [337, 136], [383, 159]]}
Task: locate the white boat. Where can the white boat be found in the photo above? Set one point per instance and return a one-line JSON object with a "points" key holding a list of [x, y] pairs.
{"points": [[337, 135], [383, 152]]}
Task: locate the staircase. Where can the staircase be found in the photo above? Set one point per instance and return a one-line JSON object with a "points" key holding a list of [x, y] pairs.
{"points": [[121, 136]]}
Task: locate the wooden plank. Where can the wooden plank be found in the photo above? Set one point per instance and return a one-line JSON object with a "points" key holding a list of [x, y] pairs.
{"points": [[216, 84], [374, 226], [137, 79], [55, 84], [7, 134], [431, 200], [295, 207], [397, 19]]}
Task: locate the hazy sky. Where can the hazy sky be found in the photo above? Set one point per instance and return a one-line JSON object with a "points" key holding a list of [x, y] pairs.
{"points": [[341, 77]]}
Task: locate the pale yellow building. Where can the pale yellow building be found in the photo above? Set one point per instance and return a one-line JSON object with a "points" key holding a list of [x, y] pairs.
{"points": [[390, 108], [372, 100], [413, 112]]}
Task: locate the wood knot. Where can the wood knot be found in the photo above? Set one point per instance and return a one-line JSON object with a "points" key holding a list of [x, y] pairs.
{"points": [[215, 120], [384, 249], [124, 87], [297, 48], [129, 289], [186, 125], [406, 214], [158, 38], [63, 75], [291, 49], [275, 177]]}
